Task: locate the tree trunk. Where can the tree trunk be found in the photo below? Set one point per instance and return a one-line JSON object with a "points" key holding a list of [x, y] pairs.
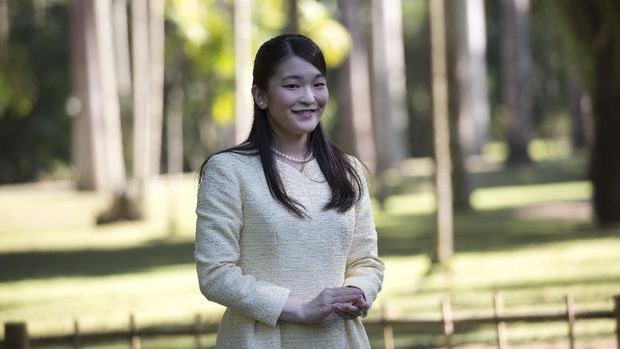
{"points": [[123, 71], [174, 130], [4, 28], [147, 46], [593, 25], [97, 147], [121, 50], [141, 100], [355, 89], [469, 33], [292, 16], [580, 116], [174, 138], [94, 104], [459, 105], [113, 150], [605, 161], [469, 107], [243, 69], [443, 186], [156, 82], [515, 56], [83, 142], [38, 8], [388, 88]]}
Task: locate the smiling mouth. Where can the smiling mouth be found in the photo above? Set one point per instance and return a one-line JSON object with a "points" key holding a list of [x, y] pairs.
{"points": [[305, 112]]}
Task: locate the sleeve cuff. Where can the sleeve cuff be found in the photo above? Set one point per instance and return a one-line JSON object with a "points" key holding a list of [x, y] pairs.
{"points": [[369, 292], [270, 300]]}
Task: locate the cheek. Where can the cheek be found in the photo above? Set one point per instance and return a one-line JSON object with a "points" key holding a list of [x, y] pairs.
{"points": [[323, 97], [278, 96], [287, 98]]}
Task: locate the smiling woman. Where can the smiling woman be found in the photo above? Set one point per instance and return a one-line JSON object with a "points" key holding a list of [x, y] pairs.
{"points": [[285, 237]]}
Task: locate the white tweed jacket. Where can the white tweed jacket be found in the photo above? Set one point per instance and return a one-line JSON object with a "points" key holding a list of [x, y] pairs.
{"points": [[252, 254]]}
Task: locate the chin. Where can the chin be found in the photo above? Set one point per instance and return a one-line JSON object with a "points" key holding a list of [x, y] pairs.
{"points": [[303, 131], [306, 128]]}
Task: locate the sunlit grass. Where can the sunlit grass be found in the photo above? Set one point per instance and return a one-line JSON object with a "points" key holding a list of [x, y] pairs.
{"points": [[539, 149], [161, 295], [55, 217], [494, 198], [537, 275], [524, 195]]}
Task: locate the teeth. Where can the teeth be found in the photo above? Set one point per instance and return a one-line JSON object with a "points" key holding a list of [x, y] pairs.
{"points": [[305, 112]]}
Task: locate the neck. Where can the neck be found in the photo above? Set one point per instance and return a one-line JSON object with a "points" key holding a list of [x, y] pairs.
{"points": [[297, 147]]}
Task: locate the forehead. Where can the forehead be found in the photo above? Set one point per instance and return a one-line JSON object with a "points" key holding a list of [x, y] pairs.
{"points": [[296, 67]]}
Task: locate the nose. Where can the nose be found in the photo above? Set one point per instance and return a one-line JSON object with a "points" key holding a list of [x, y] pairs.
{"points": [[306, 96]]}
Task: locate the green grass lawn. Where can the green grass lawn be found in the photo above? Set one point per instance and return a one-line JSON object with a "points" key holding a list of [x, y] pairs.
{"points": [[529, 237]]}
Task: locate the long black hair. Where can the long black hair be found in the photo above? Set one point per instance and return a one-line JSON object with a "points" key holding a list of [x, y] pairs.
{"points": [[340, 173]]}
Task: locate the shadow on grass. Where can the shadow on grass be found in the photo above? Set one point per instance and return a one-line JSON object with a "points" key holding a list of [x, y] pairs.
{"points": [[496, 230], [93, 262], [399, 235], [544, 172]]}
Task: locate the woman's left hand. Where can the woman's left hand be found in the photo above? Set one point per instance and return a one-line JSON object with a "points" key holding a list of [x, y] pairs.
{"points": [[351, 310]]}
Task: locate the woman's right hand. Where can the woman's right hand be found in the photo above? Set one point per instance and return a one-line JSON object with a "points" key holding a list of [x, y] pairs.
{"points": [[322, 305]]}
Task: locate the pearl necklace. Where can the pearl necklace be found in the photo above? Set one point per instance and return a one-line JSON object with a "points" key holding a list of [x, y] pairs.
{"points": [[291, 158]]}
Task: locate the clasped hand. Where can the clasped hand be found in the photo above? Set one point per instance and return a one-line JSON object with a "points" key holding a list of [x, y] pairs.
{"points": [[347, 302]]}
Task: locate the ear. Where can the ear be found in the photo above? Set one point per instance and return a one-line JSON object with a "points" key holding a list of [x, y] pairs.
{"points": [[259, 97]]}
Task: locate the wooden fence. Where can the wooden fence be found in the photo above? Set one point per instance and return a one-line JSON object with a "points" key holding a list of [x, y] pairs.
{"points": [[16, 334]]}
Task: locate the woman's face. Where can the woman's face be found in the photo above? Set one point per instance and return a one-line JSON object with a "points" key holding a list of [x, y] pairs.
{"points": [[295, 98]]}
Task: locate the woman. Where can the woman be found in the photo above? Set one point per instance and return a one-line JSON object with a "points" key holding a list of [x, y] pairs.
{"points": [[285, 237]]}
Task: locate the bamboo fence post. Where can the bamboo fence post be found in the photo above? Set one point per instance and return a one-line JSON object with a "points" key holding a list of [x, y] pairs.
{"points": [[16, 336], [570, 318], [133, 329], [76, 334], [448, 325], [198, 330], [617, 314], [500, 326], [388, 332]]}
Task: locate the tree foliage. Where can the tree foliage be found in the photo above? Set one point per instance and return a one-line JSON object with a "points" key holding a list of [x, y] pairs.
{"points": [[34, 87], [35, 124], [200, 58], [34, 73]]}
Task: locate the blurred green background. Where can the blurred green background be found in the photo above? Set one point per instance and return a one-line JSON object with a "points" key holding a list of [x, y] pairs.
{"points": [[109, 107]]}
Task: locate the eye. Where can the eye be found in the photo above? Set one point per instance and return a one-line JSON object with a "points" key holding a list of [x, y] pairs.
{"points": [[320, 85], [291, 86]]}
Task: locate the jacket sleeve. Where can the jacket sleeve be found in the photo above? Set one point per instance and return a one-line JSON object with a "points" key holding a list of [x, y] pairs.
{"points": [[219, 223], [364, 268]]}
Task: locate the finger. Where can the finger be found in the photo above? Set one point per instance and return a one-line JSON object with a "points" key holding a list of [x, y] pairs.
{"points": [[342, 311], [344, 315], [360, 308], [345, 298], [362, 304], [348, 309], [351, 309]]}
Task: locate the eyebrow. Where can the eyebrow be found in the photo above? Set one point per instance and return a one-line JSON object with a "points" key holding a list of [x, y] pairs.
{"points": [[299, 77]]}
